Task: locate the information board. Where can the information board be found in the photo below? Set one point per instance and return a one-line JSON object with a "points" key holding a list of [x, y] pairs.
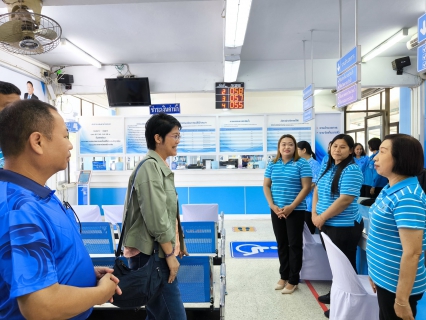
{"points": [[198, 135], [293, 124], [241, 134], [135, 135], [229, 95]]}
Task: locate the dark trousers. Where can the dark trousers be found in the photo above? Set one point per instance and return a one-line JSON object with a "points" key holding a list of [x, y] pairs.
{"points": [[346, 239], [289, 235], [376, 192], [309, 223], [386, 301]]}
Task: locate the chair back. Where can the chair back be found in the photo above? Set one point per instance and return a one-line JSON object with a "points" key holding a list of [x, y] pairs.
{"points": [[98, 237], [88, 213], [113, 213], [200, 237], [344, 276], [195, 279], [200, 212]]}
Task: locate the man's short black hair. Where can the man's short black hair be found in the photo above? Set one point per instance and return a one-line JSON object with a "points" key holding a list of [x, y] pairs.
{"points": [[30, 83], [7, 88], [160, 124], [19, 120], [407, 154], [374, 143]]}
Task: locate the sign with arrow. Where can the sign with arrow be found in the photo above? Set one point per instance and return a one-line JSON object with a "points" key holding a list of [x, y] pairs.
{"points": [[73, 126], [421, 58], [421, 29], [348, 60]]}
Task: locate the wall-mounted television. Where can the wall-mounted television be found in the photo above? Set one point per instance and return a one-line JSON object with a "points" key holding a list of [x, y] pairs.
{"points": [[128, 92]]}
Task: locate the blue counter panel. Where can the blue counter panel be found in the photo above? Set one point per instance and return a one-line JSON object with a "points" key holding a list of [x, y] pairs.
{"points": [[230, 199], [102, 196], [183, 196], [255, 201]]}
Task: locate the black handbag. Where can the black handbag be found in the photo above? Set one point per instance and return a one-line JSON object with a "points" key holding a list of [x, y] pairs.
{"points": [[140, 286]]}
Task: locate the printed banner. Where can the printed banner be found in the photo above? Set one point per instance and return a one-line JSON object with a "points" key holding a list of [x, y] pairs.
{"points": [[198, 135], [102, 135], [135, 135], [327, 126], [241, 134]]}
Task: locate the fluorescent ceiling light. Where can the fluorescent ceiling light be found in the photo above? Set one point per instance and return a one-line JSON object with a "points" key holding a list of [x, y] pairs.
{"points": [[385, 45], [237, 14], [231, 70], [81, 53]]}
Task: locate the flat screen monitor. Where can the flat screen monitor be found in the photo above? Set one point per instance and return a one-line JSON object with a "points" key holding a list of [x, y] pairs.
{"points": [[84, 177], [128, 92]]}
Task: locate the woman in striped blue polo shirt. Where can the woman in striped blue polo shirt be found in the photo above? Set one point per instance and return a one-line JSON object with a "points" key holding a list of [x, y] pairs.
{"points": [[334, 206], [286, 184], [397, 238]]}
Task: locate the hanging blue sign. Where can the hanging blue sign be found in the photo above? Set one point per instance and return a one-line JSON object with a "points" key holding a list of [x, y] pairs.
{"points": [[348, 60], [308, 103], [348, 78], [308, 91], [73, 126], [421, 29], [308, 115], [166, 108], [349, 95], [421, 58]]}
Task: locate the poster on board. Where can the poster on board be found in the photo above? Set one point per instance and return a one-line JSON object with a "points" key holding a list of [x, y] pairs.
{"points": [[101, 135], [135, 135], [241, 134], [327, 126], [198, 135]]}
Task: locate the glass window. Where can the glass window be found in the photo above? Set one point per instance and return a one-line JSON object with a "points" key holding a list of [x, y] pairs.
{"points": [[394, 104], [87, 108], [360, 138], [374, 102], [355, 120], [358, 106]]}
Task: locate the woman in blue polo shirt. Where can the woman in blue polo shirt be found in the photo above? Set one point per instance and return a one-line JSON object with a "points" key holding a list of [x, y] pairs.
{"points": [[334, 205], [286, 184], [373, 182], [360, 159], [397, 238]]}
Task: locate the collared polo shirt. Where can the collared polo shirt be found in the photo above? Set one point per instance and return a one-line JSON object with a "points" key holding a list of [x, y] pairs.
{"points": [[371, 177], [40, 244], [361, 162], [349, 184], [401, 206], [316, 168], [286, 181]]}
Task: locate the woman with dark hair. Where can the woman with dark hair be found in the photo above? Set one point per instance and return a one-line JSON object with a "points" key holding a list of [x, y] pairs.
{"points": [[153, 215], [360, 159], [397, 238], [305, 151], [373, 182], [286, 184], [334, 207]]}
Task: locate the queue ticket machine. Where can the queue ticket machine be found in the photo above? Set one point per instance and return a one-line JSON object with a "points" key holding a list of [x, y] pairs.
{"points": [[83, 187]]}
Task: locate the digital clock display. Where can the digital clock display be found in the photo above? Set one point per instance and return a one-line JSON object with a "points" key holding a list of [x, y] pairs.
{"points": [[229, 95]]}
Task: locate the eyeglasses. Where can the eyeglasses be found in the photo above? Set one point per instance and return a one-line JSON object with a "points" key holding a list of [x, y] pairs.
{"points": [[176, 137]]}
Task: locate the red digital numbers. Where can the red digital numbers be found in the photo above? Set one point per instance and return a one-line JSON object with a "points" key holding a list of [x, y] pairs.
{"points": [[230, 95]]}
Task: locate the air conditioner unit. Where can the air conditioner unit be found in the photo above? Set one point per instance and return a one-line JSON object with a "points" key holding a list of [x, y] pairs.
{"points": [[413, 42]]}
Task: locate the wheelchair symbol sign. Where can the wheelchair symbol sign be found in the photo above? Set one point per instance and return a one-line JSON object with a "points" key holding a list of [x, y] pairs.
{"points": [[261, 249]]}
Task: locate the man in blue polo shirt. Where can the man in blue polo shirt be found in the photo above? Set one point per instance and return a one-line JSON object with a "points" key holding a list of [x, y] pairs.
{"points": [[45, 269]]}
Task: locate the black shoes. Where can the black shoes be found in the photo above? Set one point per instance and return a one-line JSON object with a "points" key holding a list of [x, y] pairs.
{"points": [[325, 298], [327, 314]]}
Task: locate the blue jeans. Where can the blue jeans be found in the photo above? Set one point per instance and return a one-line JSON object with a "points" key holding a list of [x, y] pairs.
{"points": [[168, 305]]}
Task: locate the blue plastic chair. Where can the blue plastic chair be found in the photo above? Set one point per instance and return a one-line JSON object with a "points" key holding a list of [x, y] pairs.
{"points": [[98, 237], [200, 237]]}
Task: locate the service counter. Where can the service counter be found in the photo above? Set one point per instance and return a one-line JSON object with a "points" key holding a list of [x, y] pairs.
{"points": [[237, 191]]}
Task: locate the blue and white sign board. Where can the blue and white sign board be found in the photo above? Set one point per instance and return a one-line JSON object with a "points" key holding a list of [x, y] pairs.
{"points": [[421, 58], [254, 250], [350, 77], [99, 165], [166, 108], [308, 115], [308, 91], [73, 126], [308, 103], [421, 29], [349, 95], [348, 60]]}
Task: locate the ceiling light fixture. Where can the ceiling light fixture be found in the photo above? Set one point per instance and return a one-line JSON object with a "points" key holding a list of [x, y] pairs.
{"points": [[231, 70], [385, 44], [237, 15], [81, 53]]}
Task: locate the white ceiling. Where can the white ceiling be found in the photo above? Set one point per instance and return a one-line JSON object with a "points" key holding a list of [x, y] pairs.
{"points": [[181, 32]]}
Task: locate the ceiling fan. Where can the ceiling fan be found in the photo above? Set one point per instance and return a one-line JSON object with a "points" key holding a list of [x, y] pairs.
{"points": [[24, 30]]}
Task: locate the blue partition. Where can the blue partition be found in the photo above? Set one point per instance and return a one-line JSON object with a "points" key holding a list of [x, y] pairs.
{"points": [[255, 201], [230, 199]]}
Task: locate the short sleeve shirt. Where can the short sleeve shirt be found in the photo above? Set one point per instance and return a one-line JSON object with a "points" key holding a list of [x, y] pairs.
{"points": [[349, 184], [40, 244], [401, 206], [315, 167], [286, 181]]}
